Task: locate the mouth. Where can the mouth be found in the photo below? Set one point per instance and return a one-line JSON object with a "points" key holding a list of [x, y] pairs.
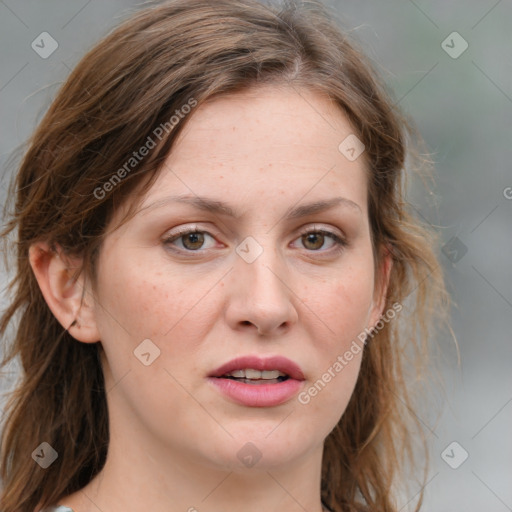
{"points": [[256, 377], [255, 368], [256, 382]]}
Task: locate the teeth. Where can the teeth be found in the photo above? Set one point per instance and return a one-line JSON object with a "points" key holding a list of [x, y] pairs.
{"points": [[272, 374], [255, 374], [237, 373]]}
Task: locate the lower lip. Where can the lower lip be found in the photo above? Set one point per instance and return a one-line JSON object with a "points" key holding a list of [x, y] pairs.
{"points": [[257, 395]]}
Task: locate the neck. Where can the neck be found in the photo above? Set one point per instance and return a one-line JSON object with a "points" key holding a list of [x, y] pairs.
{"points": [[138, 474]]}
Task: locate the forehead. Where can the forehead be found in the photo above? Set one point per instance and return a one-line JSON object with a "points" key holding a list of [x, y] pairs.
{"points": [[262, 124], [265, 144]]}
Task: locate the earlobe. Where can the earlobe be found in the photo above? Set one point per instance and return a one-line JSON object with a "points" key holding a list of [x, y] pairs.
{"points": [[379, 300], [63, 291]]}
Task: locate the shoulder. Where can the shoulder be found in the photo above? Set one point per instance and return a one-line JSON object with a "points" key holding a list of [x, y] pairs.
{"points": [[59, 508]]}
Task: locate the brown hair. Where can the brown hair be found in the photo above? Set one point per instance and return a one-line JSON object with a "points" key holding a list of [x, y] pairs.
{"points": [[133, 81]]}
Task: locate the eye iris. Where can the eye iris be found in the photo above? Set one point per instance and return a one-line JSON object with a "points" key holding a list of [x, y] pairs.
{"points": [[317, 239], [193, 240]]}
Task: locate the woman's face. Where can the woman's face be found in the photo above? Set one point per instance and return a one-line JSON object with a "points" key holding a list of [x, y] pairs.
{"points": [[278, 262]]}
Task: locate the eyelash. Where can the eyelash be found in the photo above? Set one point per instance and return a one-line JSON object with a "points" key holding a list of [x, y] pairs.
{"points": [[340, 242]]}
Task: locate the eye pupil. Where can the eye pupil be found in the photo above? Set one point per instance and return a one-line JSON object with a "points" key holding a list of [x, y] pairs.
{"points": [[317, 239], [313, 240], [193, 240]]}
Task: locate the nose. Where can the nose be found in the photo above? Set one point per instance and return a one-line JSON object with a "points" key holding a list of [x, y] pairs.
{"points": [[261, 299]]}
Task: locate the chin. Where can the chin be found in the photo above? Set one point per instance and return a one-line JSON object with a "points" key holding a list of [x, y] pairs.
{"points": [[264, 452]]}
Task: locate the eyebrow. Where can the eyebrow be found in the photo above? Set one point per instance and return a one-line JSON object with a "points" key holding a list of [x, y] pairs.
{"points": [[218, 207]]}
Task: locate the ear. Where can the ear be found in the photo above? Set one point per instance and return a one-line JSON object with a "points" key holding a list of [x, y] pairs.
{"points": [[381, 287], [63, 291]]}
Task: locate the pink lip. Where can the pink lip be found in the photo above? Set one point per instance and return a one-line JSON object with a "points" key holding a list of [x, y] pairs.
{"points": [[259, 395]]}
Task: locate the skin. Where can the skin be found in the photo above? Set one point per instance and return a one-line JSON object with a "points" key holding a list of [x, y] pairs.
{"points": [[174, 437]]}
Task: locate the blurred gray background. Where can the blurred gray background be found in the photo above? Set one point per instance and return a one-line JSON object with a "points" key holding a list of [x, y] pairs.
{"points": [[450, 67]]}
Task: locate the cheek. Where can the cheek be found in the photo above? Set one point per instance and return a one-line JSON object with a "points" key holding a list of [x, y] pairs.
{"points": [[143, 299], [354, 301], [136, 300], [338, 355], [342, 303]]}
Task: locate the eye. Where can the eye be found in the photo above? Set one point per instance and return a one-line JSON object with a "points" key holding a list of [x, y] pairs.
{"points": [[190, 240], [317, 239]]}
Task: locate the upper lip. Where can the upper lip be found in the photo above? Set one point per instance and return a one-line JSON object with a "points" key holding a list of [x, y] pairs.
{"points": [[279, 363]]}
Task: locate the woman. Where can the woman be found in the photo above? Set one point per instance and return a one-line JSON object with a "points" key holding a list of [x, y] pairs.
{"points": [[217, 276]]}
